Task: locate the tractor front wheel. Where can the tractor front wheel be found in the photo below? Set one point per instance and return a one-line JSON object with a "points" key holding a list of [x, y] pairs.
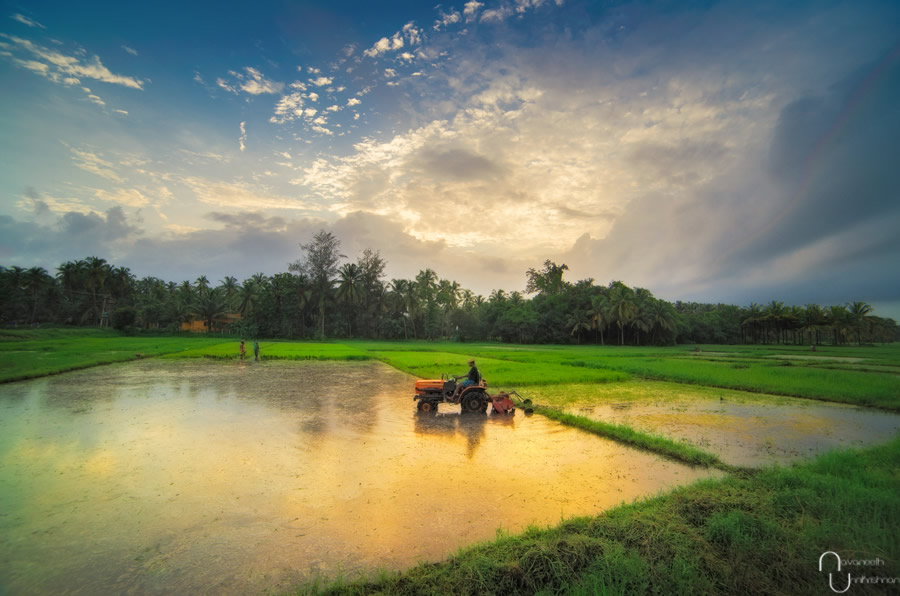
{"points": [[427, 407], [474, 402]]}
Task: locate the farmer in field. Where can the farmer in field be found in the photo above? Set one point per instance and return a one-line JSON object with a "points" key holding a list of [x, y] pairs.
{"points": [[474, 377], [243, 349], [256, 351]]}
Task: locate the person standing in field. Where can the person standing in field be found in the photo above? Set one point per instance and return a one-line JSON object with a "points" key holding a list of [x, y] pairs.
{"points": [[256, 351], [243, 349]]}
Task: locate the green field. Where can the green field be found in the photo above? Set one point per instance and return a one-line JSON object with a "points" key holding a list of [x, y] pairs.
{"points": [[753, 531]]}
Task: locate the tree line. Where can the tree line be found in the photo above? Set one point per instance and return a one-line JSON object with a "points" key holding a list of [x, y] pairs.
{"points": [[325, 295]]}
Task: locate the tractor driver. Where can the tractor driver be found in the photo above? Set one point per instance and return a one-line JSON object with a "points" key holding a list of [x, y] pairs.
{"points": [[474, 377]]}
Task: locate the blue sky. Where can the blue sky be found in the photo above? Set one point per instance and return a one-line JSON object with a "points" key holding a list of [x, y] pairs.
{"points": [[708, 151]]}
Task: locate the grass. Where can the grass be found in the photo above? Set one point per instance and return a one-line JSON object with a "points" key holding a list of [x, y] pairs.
{"points": [[277, 351], [761, 369], [39, 352], [748, 533], [629, 436], [499, 373]]}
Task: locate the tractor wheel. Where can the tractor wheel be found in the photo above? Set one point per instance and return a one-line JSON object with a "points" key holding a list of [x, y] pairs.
{"points": [[427, 407], [474, 402]]}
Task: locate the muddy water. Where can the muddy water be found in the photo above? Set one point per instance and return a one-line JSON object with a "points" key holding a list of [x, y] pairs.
{"points": [[200, 477], [747, 429]]}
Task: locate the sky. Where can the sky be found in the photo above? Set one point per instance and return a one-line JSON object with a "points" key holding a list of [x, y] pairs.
{"points": [[709, 151]]}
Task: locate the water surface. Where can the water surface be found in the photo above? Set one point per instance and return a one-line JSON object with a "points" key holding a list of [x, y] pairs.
{"points": [[233, 478]]}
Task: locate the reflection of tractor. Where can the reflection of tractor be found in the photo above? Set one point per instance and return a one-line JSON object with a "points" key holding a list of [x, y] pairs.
{"points": [[471, 398]]}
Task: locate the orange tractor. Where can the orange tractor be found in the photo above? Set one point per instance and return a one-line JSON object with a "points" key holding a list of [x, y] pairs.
{"points": [[471, 398]]}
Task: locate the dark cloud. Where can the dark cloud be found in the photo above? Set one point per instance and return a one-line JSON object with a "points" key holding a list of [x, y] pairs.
{"points": [[814, 220], [40, 206], [835, 158], [72, 236]]}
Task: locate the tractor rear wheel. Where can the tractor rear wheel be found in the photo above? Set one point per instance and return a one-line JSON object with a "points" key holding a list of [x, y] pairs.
{"points": [[474, 402], [427, 406]]}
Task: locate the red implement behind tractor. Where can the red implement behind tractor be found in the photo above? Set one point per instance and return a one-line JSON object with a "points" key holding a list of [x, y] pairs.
{"points": [[471, 398]]}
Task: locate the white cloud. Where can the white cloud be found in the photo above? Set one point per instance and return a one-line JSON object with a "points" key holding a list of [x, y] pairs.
{"points": [[384, 44], [496, 15], [95, 164], [129, 197], [471, 9], [123, 112], [243, 138], [321, 81], [131, 51], [446, 20], [313, 97], [60, 68], [334, 108], [239, 195], [288, 108], [390, 73], [26, 21], [412, 33], [253, 83], [353, 101]]}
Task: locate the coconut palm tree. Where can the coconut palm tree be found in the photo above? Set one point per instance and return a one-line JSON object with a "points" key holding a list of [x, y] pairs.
{"points": [[622, 306], [35, 280], [210, 305], [578, 322], [349, 290], [859, 318], [230, 288], [600, 314]]}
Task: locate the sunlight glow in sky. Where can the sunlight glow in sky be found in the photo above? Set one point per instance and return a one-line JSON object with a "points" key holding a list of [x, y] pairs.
{"points": [[710, 151]]}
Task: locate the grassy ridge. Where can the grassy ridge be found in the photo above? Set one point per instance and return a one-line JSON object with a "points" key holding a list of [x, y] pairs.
{"points": [[625, 434], [749, 533]]}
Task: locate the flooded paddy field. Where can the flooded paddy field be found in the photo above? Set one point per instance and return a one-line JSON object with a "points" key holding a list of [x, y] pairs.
{"points": [[223, 477], [745, 429]]}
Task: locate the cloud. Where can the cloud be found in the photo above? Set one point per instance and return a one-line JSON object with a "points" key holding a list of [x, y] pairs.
{"points": [[131, 51], [446, 20], [471, 9], [71, 236], [95, 164], [496, 15], [26, 21], [240, 196], [321, 81], [251, 82], [353, 101], [64, 69], [243, 138], [394, 43]]}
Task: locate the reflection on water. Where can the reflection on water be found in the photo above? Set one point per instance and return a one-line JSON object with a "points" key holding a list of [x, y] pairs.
{"points": [[751, 432], [210, 477]]}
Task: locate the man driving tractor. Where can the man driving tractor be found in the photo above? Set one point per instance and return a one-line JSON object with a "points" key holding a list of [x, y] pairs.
{"points": [[474, 377]]}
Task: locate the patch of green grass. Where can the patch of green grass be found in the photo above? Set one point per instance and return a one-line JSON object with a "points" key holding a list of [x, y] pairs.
{"points": [[273, 350], [748, 533], [498, 373], [54, 351], [625, 434], [854, 387]]}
